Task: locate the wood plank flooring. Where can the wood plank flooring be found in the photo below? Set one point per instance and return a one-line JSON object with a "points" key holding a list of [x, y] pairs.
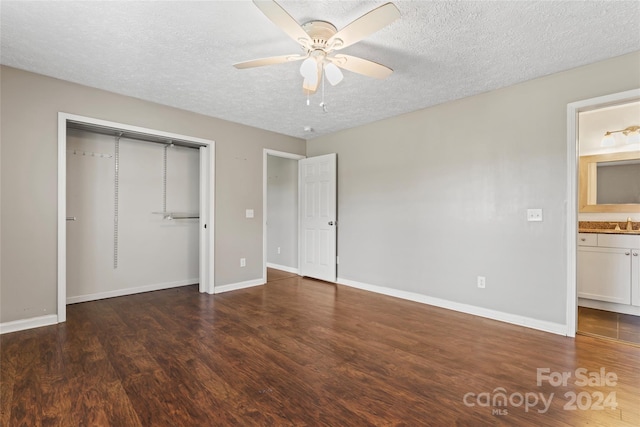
{"points": [[299, 352], [608, 324], [273, 275]]}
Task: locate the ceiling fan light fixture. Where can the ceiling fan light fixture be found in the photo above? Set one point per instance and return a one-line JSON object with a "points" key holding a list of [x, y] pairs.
{"points": [[319, 39], [311, 84], [309, 69], [333, 73]]}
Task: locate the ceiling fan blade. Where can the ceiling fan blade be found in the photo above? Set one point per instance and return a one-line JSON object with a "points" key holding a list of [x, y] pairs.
{"points": [[282, 19], [269, 61], [367, 24], [361, 66]]}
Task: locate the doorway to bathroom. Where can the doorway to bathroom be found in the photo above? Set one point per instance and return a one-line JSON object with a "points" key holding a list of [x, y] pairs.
{"points": [[608, 218]]}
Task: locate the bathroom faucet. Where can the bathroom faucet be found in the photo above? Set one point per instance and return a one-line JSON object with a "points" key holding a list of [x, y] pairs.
{"points": [[629, 225]]}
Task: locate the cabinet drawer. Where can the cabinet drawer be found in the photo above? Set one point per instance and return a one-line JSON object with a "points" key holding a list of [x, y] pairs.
{"points": [[587, 239], [619, 241]]}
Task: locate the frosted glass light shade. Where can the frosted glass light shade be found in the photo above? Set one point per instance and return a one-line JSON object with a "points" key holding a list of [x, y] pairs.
{"points": [[333, 73], [633, 138], [310, 84], [309, 69], [608, 140]]}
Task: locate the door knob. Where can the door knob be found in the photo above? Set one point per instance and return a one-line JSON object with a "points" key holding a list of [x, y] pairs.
{"points": [[330, 222]]}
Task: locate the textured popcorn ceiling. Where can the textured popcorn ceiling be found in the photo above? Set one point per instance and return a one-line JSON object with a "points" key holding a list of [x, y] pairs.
{"points": [[180, 53]]}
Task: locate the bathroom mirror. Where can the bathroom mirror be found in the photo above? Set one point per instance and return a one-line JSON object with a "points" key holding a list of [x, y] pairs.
{"points": [[610, 182]]}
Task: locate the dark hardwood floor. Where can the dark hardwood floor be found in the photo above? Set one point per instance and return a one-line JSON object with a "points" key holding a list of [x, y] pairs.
{"points": [[618, 326], [273, 275], [301, 352]]}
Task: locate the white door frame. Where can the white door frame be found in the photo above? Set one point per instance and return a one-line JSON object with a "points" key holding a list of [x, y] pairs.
{"points": [[572, 192], [207, 190], [268, 152]]}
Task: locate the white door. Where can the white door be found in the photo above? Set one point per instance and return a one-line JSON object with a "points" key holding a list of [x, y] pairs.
{"points": [[205, 258], [317, 210]]}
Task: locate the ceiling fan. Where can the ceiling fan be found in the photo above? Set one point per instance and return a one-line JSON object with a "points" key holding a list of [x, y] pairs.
{"points": [[320, 40]]}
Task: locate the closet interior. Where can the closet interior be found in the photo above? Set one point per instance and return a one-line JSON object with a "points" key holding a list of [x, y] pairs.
{"points": [[132, 205]]}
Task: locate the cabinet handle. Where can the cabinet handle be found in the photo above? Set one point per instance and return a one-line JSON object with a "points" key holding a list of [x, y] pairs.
{"points": [[584, 239], [627, 253], [635, 254]]}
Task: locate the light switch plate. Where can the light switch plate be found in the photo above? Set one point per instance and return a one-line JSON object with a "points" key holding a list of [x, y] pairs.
{"points": [[534, 214], [249, 213]]}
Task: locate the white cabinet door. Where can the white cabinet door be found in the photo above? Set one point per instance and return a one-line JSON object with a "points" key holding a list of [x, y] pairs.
{"points": [[604, 274], [317, 210]]}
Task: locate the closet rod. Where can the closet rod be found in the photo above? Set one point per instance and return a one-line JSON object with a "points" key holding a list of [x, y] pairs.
{"points": [[104, 130]]}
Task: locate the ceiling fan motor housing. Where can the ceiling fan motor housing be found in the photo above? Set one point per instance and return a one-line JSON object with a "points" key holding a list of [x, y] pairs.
{"points": [[319, 32]]}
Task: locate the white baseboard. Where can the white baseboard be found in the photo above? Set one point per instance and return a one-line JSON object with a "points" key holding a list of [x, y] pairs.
{"points": [[556, 328], [609, 306], [283, 268], [542, 325], [236, 286], [33, 322], [130, 291]]}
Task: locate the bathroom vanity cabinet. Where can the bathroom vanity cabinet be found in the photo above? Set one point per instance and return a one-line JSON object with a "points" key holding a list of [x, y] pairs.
{"points": [[609, 269]]}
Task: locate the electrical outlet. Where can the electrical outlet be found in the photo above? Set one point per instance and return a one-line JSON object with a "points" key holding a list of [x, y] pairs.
{"points": [[534, 214], [482, 281], [243, 262], [278, 250]]}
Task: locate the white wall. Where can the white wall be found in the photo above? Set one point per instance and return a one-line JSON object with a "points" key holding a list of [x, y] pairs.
{"points": [[29, 109], [430, 200], [153, 253], [282, 210]]}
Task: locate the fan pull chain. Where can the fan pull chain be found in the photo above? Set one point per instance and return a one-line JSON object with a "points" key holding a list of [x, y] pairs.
{"points": [[322, 104]]}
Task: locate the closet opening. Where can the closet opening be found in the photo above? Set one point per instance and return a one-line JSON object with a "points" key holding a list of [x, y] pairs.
{"points": [[135, 210]]}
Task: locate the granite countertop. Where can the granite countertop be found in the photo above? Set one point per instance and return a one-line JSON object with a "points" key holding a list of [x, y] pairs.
{"points": [[608, 227]]}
